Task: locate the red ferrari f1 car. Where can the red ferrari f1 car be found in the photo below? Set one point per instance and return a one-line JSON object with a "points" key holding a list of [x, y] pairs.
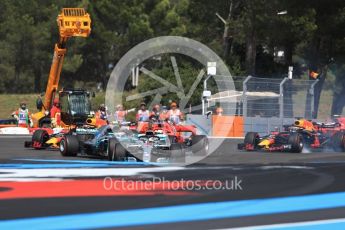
{"points": [[184, 135]]}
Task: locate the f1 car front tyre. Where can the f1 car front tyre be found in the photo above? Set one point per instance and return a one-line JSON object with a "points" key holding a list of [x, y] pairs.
{"points": [[296, 142], [338, 141], [251, 140], [178, 153], [69, 146], [172, 139], [39, 137], [200, 145], [116, 152]]}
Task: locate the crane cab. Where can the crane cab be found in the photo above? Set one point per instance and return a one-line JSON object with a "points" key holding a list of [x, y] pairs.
{"points": [[75, 106]]}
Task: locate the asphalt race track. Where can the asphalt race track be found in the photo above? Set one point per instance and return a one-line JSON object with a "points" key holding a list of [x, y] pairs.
{"points": [[229, 189]]}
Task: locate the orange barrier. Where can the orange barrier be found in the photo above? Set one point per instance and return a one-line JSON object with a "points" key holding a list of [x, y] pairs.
{"points": [[220, 126]]}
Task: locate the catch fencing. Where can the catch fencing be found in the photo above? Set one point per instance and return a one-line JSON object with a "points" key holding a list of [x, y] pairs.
{"points": [[267, 103], [267, 97], [282, 98]]}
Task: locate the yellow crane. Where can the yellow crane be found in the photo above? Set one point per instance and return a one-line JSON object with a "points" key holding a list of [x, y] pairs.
{"points": [[72, 22]]}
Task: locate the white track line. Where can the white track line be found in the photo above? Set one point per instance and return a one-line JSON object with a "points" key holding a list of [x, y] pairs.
{"points": [[13, 174], [291, 225]]}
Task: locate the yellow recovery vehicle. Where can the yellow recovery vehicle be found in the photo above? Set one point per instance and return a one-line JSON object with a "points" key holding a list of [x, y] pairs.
{"points": [[75, 103], [72, 22]]}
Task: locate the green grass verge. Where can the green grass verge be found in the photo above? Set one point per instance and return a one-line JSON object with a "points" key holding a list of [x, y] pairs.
{"points": [[10, 103]]}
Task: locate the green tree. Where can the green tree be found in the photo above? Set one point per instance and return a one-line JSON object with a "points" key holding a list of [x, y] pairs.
{"points": [[326, 47]]}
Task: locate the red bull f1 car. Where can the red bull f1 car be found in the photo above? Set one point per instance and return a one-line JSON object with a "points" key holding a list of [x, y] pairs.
{"points": [[303, 134]]}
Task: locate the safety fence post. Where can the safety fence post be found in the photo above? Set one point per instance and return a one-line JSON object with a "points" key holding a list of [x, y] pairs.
{"points": [[244, 96], [281, 98], [312, 91]]}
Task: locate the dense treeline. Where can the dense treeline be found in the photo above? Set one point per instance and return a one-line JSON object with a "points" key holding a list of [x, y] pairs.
{"points": [[247, 33]]}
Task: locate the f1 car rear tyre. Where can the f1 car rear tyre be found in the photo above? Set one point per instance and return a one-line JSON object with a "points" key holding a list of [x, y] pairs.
{"points": [[200, 145], [251, 138], [338, 141], [69, 146], [40, 136], [116, 152], [178, 153], [296, 142], [111, 148]]}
